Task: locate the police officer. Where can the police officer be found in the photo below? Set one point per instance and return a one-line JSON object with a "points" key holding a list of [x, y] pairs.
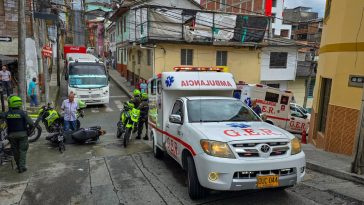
{"points": [[18, 122], [143, 119], [136, 98]]}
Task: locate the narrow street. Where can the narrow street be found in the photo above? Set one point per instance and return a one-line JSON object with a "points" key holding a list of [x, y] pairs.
{"points": [[107, 173]]}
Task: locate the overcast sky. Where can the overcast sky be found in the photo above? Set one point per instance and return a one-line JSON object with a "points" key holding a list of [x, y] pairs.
{"points": [[316, 5]]}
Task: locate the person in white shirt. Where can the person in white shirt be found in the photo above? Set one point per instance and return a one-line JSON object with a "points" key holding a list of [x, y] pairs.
{"points": [[70, 107], [5, 77]]}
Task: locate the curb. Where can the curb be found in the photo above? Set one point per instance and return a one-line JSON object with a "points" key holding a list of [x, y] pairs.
{"points": [[315, 166], [121, 86]]}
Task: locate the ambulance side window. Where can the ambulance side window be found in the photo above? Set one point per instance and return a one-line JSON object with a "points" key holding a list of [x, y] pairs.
{"points": [[272, 97], [154, 87], [284, 100], [178, 109], [159, 87]]}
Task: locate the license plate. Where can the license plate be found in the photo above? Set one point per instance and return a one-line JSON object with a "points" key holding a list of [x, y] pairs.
{"points": [[267, 181]]}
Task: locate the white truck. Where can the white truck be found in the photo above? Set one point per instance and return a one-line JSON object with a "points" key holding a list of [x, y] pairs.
{"points": [[87, 78], [276, 105], [220, 142]]}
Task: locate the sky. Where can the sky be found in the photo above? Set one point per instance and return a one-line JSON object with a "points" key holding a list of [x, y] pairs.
{"points": [[316, 5]]}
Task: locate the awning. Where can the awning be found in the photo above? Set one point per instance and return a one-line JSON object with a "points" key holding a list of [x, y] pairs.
{"points": [[6, 59]]}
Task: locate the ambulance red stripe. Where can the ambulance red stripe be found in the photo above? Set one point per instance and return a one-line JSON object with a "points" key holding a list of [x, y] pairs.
{"points": [[277, 118], [174, 138]]}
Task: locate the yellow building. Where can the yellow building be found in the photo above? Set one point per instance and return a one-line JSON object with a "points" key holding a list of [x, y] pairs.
{"points": [[242, 62], [337, 101]]}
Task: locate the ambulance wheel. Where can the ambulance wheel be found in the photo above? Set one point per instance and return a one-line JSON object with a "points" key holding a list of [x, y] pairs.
{"points": [[158, 153], [195, 190]]}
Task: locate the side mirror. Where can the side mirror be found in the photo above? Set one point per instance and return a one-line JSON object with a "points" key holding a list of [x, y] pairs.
{"points": [[294, 115], [175, 119], [304, 117]]}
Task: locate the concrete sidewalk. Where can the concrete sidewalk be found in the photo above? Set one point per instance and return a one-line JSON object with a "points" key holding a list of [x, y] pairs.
{"points": [[121, 82], [330, 163]]}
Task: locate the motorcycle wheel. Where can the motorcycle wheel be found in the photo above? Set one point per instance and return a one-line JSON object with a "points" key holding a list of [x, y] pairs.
{"points": [[127, 137], [61, 147], [118, 134], [35, 135]]}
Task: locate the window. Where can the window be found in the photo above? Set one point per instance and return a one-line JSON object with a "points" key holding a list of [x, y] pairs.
{"points": [[121, 56], [311, 87], [274, 17], [273, 31], [2, 9], [125, 56], [186, 57], [284, 100], [178, 109], [278, 60], [139, 57], [221, 58], [124, 23], [121, 27], [154, 87], [274, 3], [271, 97], [274, 85], [324, 103], [222, 4], [149, 57], [159, 87], [284, 33]]}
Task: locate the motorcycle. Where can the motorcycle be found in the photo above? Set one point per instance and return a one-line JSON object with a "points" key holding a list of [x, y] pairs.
{"points": [[81, 136], [128, 123]]}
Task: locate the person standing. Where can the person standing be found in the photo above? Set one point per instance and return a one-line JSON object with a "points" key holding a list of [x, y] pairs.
{"points": [[18, 122], [6, 80], [70, 107], [256, 108], [143, 119], [143, 87], [32, 92]]}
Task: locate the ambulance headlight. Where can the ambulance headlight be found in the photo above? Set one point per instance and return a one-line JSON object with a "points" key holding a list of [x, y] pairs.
{"points": [[295, 146], [217, 149]]}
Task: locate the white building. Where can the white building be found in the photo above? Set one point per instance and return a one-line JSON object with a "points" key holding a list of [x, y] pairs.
{"points": [[278, 28], [279, 63]]}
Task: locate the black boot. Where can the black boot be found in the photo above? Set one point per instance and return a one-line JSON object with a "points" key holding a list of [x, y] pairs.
{"points": [[21, 170], [145, 137], [138, 137]]}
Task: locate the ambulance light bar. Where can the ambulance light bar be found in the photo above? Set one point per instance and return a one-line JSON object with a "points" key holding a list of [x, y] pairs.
{"points": [[188, 68]]}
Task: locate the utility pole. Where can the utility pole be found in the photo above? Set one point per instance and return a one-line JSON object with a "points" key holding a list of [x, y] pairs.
{"points": [[357, 165], [312, 69], [58, 48], [21, 51]]}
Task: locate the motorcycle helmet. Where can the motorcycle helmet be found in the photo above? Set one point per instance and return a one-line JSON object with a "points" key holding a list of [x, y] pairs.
{"points": [[144, 96], [15, 102], [81, 104], [136, 93]]}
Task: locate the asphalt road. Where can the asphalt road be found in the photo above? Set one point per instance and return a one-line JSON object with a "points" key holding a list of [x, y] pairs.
{"points": [[107, 173]]}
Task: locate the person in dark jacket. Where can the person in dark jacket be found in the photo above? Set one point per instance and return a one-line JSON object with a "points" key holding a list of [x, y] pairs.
{"points": [[143, 119], [256, 108], [18, 123]]}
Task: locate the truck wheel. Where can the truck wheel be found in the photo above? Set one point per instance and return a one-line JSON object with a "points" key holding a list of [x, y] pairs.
{"points": [[195, 190], [158, 153]]}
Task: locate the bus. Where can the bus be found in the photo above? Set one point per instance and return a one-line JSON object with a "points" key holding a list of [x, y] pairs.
{"points": [[88, 79]]}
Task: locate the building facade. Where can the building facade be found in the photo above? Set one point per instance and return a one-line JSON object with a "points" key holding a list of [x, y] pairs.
{"points": [[279, 28], [337, 95], [151, 39]]}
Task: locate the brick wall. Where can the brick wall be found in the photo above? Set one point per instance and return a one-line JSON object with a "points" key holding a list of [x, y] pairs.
{"points": [[339, 136], [9, 21], [237, 6]]}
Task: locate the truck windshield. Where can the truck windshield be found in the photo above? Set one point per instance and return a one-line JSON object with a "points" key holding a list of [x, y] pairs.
{"points": [[219, 110], [88, 81], [87, 69]]}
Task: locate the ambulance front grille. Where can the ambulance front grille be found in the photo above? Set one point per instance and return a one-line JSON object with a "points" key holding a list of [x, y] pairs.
{"points": [[254, 174], [252, 150]]}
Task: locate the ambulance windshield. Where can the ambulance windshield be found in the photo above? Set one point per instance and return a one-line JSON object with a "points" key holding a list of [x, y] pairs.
{"points": [[219, 110]]}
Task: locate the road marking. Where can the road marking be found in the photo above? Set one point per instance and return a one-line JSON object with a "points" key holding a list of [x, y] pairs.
{"points": [[95, 110], [120, 96], [118, 104], [108, 109]]}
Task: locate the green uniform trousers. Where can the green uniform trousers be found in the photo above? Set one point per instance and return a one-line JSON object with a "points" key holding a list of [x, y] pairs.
{"points": [[19, 147]]}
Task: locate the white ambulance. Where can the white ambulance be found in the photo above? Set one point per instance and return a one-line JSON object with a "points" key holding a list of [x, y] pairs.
{"points": [[276, 105], [220, 142]]}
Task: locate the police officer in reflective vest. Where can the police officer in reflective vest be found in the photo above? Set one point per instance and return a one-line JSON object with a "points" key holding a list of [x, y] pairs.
{"points": [[18, 123], [143, 119]]}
